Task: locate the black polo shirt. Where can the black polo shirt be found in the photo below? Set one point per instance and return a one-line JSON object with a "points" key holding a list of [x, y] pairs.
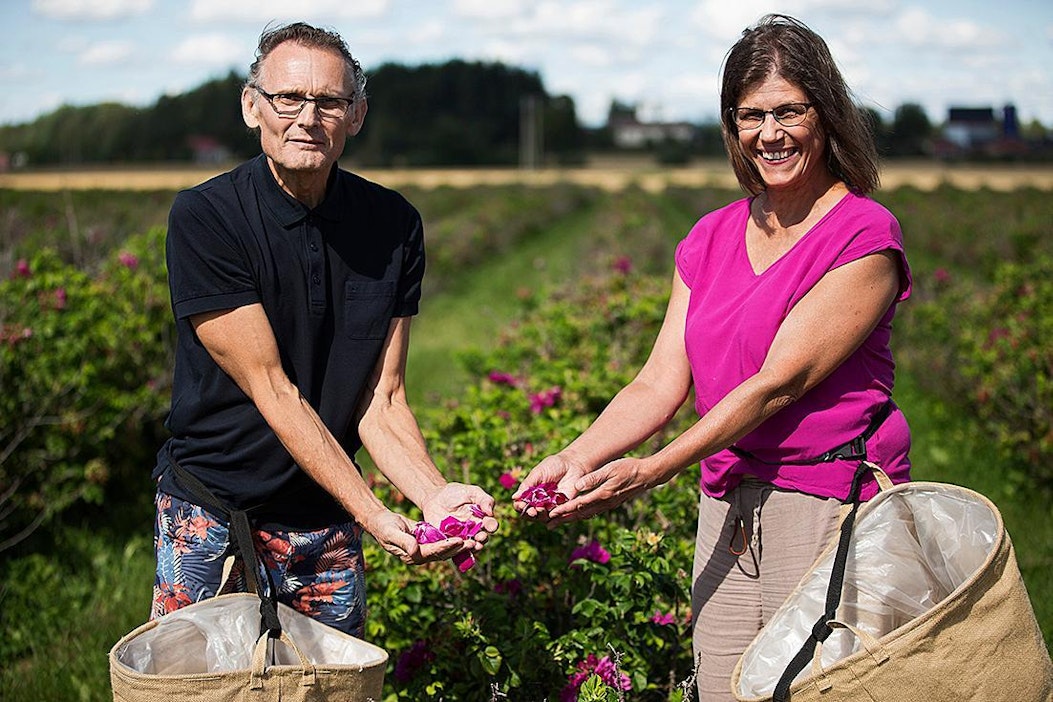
{"points": [[330, 280]]}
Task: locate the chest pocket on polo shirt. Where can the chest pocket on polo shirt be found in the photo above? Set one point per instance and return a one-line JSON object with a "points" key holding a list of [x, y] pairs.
{"points": [[368, 305]]}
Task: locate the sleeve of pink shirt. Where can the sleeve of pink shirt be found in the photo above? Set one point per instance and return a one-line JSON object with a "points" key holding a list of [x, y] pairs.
{"points": [[880, 232]]}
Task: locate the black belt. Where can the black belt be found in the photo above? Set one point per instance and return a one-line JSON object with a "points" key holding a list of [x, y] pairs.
{"points": [[854, 450]]}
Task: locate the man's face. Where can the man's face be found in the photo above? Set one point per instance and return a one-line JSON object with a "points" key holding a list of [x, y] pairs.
{"points": [[308, 141]]}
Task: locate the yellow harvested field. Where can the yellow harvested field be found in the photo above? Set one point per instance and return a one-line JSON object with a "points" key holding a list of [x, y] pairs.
{"points": [[611, 175]]}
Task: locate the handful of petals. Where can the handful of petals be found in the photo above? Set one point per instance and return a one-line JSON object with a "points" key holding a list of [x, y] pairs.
{"points": [[543, 496], [449, 528]]}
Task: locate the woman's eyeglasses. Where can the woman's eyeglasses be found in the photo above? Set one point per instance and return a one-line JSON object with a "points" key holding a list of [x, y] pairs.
{"points": [[789, 115]]}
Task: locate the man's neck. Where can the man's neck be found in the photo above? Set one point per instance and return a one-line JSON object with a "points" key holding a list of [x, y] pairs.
{"points": [[306, 186]]}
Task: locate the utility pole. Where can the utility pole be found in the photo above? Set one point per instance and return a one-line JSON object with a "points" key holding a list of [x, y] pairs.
{"points": [[531, 132]]}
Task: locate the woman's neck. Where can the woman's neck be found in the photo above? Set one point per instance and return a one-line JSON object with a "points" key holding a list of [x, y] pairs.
{"points": [[783, 209]]}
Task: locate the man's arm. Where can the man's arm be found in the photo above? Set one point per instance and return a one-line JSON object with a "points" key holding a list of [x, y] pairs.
{"points": [[242, 343], [390, 433]]}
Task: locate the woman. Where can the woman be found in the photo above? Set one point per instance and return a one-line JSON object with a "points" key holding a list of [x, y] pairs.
{"points": [[779, 319]]}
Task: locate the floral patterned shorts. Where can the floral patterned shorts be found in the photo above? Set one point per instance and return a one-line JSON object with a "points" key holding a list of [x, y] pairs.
{"points": [[319, 573]]}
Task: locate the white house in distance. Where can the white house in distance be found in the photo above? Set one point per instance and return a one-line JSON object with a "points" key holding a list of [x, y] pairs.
{"points": [[980, 131], [628, 131]]}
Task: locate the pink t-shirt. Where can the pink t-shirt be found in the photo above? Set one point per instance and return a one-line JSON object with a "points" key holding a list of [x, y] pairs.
{"points": [[732, 318]]}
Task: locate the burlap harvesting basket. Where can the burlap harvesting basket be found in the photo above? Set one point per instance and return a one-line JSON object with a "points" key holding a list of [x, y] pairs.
{"points": [[212, 651], [933, 608]]}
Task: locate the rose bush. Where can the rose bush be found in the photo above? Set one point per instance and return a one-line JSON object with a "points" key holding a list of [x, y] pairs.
{"points": [[543, 608], [84, 364], [986, 346]]}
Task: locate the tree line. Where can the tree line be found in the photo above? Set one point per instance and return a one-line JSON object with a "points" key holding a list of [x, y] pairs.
{"points": [[454, 113], [459, 112]]}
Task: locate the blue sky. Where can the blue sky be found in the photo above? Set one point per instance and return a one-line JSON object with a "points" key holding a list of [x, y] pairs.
{"points": [[663, 55]]}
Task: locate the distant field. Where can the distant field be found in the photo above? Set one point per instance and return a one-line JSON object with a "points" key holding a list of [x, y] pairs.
{"points": [[607, 174]]}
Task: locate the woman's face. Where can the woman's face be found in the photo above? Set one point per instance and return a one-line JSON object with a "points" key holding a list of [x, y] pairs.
{"points": [[787, 158]]}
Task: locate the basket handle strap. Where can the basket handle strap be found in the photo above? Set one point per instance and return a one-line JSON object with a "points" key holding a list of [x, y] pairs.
{"points": [[873, 648], [260, 658], [821, 630], [883, 482], [241, 541]]}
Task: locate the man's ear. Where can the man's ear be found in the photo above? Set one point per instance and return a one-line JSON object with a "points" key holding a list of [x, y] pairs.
{"points": [[249, 101], [358, 116]]}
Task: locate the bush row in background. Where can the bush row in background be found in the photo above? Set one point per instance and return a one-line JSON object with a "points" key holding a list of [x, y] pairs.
{"points": [[987, 348], [976, 332], [84, 363]]}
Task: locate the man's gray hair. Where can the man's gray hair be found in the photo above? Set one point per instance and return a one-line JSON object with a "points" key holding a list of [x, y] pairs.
{"points": [[313, 37]]}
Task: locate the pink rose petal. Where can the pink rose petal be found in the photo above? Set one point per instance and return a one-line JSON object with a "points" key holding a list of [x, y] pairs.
{"points": [[427, 534], [543, 496], [451, 527]]}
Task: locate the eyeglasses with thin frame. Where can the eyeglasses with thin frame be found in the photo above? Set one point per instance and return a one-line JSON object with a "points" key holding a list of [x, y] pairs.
{"points": [[290, 105], [789, 115]]}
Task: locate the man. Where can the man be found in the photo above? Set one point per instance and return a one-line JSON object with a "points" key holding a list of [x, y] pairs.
{"points": [[293, 284]]}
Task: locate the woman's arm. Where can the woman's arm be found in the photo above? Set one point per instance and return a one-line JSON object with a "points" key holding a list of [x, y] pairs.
{"points": [[640, 409], [821, 331]]}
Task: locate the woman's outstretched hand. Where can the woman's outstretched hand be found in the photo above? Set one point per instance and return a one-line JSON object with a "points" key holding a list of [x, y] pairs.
{"points": [[575, 493], [549, 484]]}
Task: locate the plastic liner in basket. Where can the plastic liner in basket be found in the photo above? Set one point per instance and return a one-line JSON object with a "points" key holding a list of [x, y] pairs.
{"points": [[910, 550], [220, 636]]}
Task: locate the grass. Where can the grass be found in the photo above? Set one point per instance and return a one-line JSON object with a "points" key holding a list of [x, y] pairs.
{"points": [[82, 600], [471, 312]]}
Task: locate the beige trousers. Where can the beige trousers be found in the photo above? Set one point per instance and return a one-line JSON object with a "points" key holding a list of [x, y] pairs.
{"points": [[752, 548]]}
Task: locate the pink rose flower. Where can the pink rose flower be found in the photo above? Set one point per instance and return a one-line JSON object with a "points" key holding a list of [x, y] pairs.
{"points": [[128, 260], [507, 480], [662, 619], [590, 552], [508, 587], [623, 264], [500, 378], [603, 667], [545, 398], [412, 660]]}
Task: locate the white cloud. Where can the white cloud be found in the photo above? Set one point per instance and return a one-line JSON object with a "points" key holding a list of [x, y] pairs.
{"points": [[600, 19], [816, 7], [592, 55], [489, 9], [542, 22], [724, 21], [430, 32], [19, 72], [219, 50], [106, 53], [507, 51], [90, 9], [921, 29], [263, 11]]}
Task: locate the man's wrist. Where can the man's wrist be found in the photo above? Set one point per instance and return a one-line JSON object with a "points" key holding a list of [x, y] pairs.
{"points": [[371, 519]]}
